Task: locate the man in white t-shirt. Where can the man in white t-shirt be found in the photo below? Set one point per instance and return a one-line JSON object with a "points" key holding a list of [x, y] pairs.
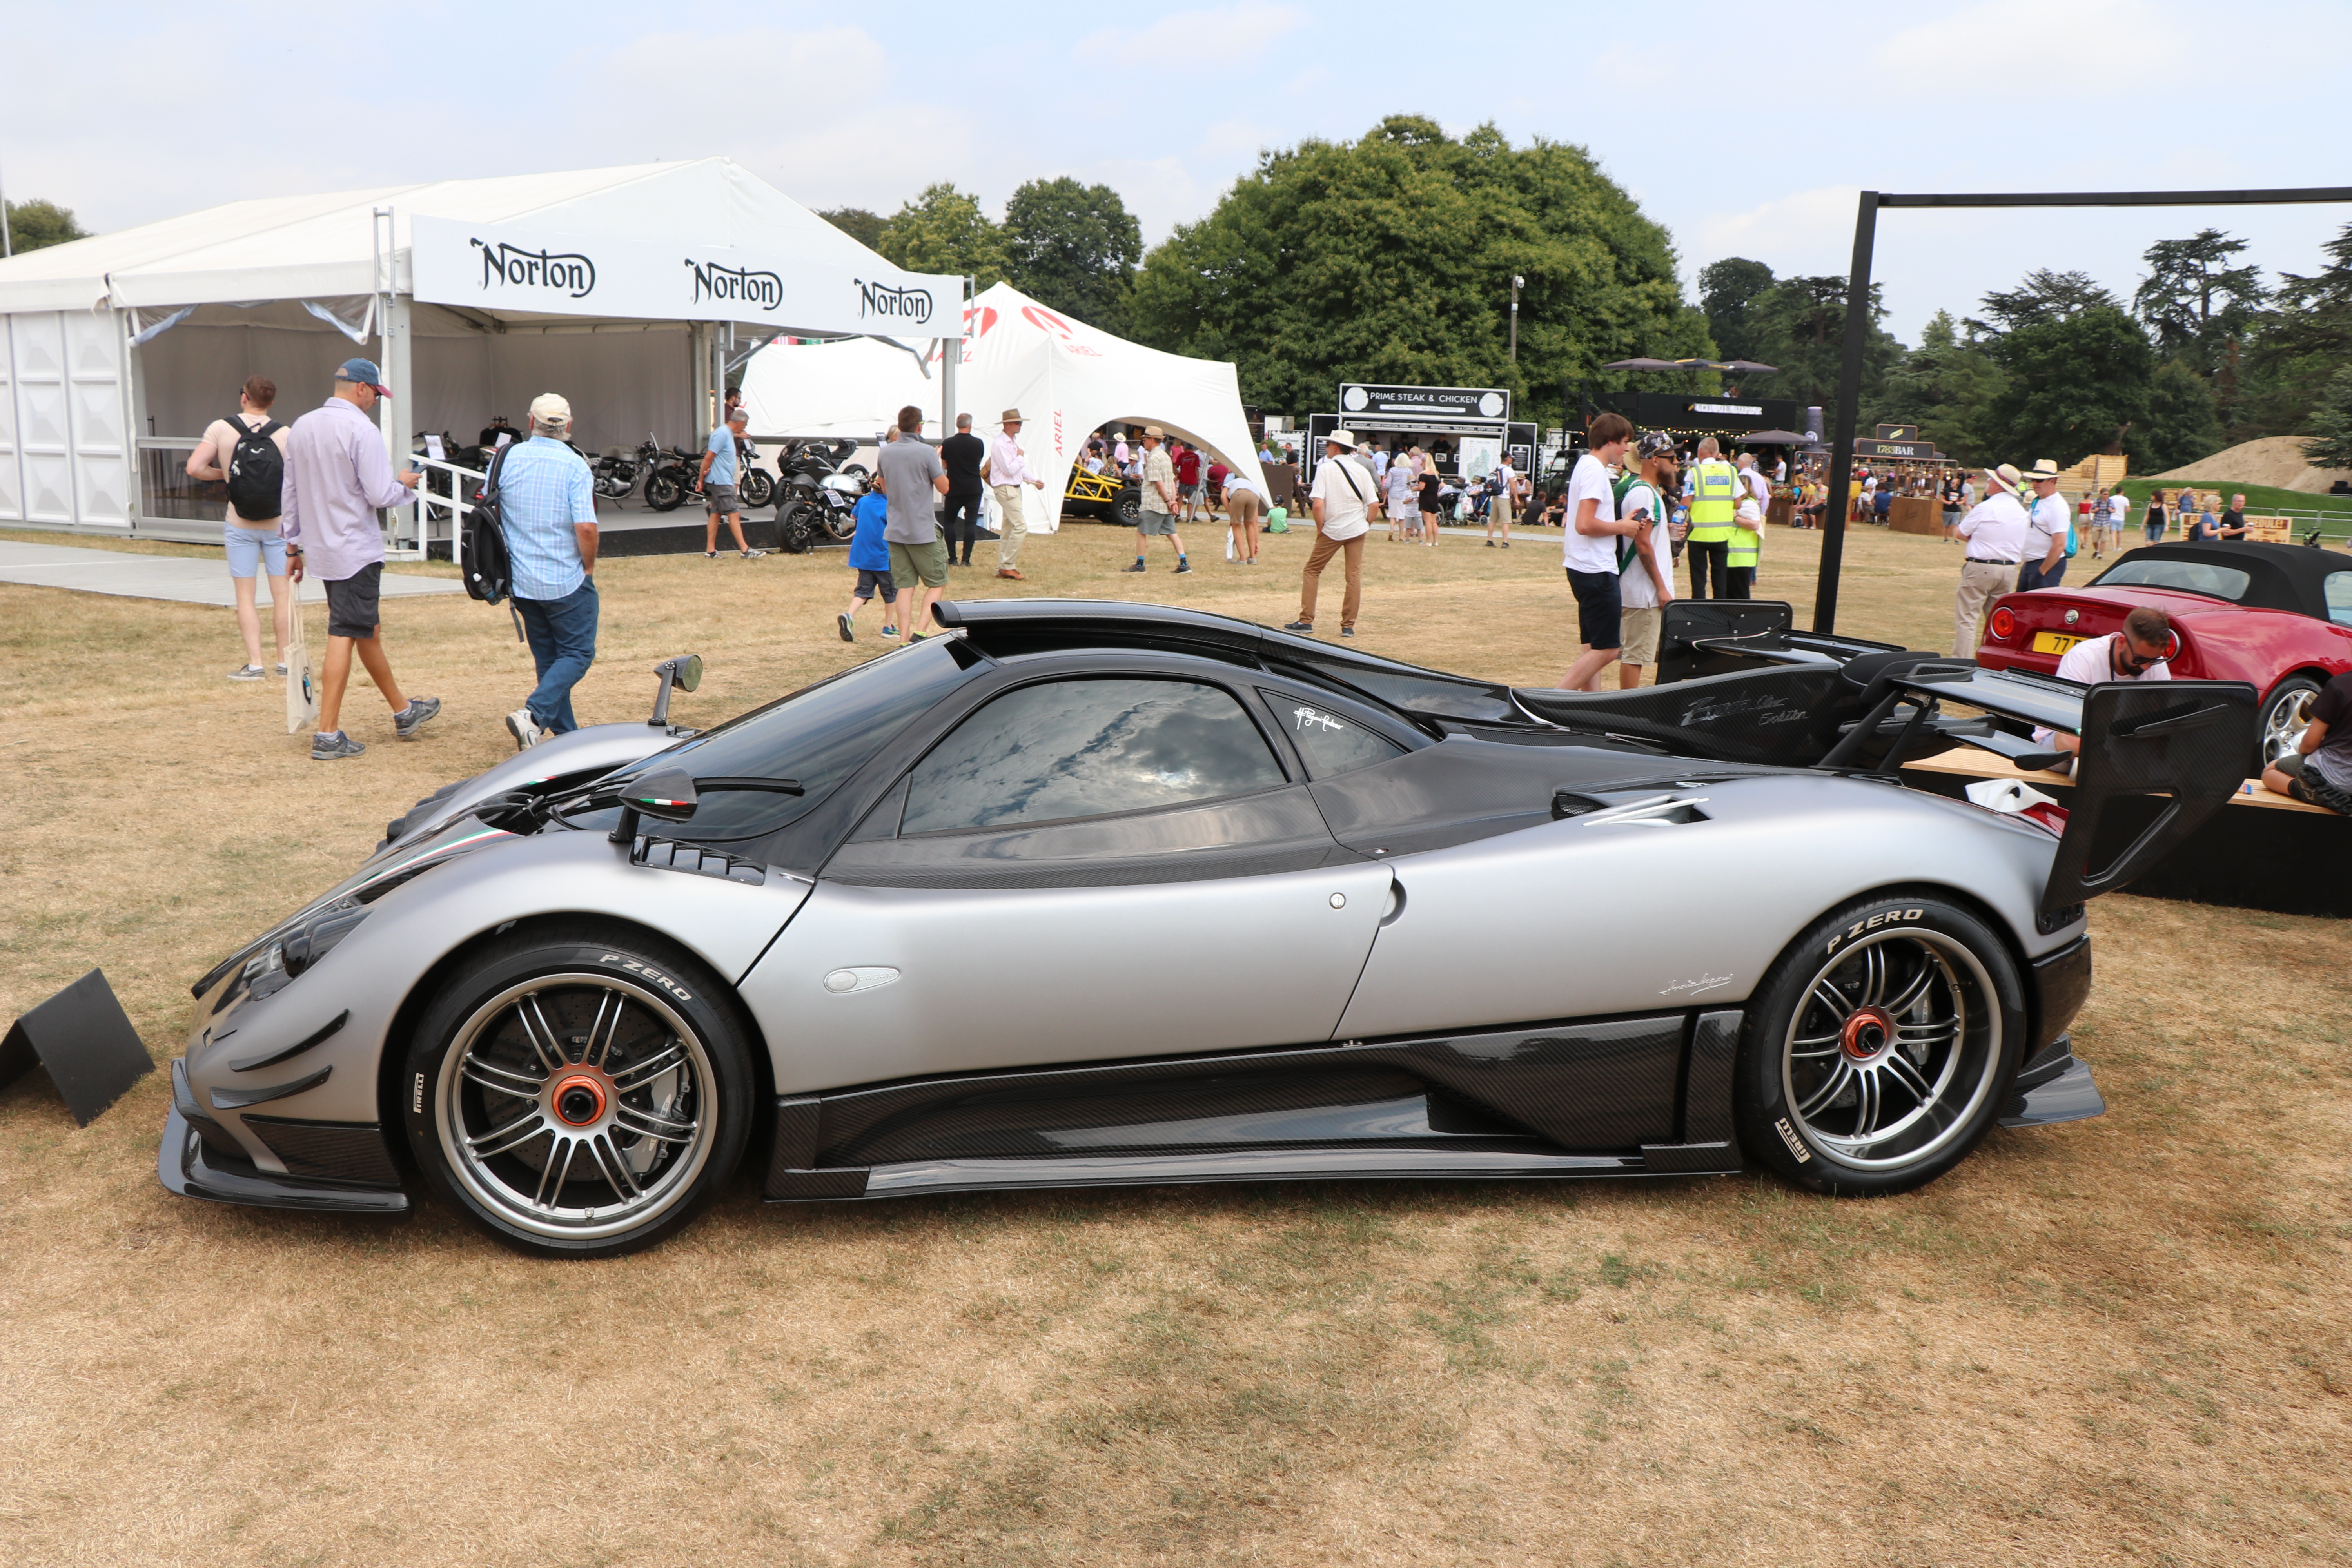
{"points": [[1645, 583], [2139, 652], [2051, 526], [2118, 515], [1589, 551], [1498, 509], [1342, 497]]}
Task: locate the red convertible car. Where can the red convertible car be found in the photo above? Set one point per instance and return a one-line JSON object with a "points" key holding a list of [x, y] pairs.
{"points": [[2279, 615]]}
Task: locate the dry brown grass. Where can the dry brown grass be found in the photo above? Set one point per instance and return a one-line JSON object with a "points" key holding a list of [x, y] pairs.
{"points": [[2123, 1341]]}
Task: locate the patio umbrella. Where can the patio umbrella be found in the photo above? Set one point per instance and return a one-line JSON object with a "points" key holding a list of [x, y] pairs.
{"points": [[1771, 438], [1751, 367], [1647, 364]]}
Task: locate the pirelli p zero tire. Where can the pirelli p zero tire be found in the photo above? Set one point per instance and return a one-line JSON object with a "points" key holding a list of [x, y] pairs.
{"points": [[1879, 1047], [578, 1093]]}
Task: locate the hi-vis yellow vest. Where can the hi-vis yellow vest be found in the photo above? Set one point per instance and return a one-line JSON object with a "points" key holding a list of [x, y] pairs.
{"points": [[1745, 544], [1714, 495]]}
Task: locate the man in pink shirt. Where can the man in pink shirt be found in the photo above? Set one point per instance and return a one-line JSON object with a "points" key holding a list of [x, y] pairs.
{"points": [[337, 474], [1006, 469]]}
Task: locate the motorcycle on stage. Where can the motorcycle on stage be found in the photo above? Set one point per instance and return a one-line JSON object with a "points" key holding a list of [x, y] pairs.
{"points": [[817, 502]]}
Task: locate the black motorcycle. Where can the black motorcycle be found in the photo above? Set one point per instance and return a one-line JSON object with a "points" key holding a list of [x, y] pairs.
{"points": [[754, 487], [615, 475], [817, 499], [670, 474]]}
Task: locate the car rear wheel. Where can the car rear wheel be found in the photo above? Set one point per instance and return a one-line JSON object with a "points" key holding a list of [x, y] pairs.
{"points": [[577, 1095], [1878, 1046], [2284, 718]]}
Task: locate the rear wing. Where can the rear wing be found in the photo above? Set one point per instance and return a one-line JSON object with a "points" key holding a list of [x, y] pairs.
{"points": [[1738, 683], [2157, 759]]}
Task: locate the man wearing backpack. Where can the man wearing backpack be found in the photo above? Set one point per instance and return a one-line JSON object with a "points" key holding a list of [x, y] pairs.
{"points": [[337, 474], [547, 511], [246, 452]]}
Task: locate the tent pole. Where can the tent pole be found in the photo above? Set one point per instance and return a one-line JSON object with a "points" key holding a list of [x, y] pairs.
{"points": [[1857, 330]]}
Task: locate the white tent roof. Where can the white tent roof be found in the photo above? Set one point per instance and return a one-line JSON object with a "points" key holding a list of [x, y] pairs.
{"points": [[322, 246], [1066, 378]]}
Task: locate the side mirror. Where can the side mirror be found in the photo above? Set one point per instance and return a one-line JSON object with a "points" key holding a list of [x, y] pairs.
{"points": [[684, 672], [669, 794]]}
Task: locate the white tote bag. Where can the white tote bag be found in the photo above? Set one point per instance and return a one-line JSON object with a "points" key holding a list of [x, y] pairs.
{"points": [[302, 683]]}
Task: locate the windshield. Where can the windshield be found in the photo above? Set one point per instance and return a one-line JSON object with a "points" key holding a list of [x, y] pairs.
{"points": [[2185, 576], [819, 735]]}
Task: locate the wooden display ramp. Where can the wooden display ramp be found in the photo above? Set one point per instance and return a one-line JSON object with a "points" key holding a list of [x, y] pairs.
{"points": [[2262, 852]]}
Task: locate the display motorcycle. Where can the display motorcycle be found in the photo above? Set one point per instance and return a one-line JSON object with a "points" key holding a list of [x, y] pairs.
{"points": [[615, 475], [817, 502], [670, 474], [754, 487]]}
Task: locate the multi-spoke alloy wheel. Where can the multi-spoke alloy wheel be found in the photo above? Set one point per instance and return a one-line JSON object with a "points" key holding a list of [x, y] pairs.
{"points": [[578, 1099], [1879, 1047]]}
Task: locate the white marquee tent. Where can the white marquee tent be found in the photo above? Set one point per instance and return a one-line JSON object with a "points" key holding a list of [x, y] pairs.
{"points": [[472, 295], [1066, 378]]}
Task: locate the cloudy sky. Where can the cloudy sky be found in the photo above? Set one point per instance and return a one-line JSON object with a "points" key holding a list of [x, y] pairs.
{"points": [[1741, 140]]}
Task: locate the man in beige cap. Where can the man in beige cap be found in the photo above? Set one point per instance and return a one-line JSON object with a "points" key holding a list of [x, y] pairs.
{"points": [[1995, 529], [547, 510], [1158, 513], [2049, 529], [1007, 470]]}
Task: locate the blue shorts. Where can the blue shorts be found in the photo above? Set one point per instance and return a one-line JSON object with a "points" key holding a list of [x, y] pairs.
{"points": [[248, 548]]}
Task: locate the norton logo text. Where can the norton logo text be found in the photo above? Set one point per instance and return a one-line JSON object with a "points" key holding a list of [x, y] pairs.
{"points": [[899, 304], [714, 282], [574, 273]]}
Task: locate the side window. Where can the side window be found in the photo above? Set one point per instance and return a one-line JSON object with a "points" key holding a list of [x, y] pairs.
{"points": [[2337, 586], [1331, 744], [1085, 748]]}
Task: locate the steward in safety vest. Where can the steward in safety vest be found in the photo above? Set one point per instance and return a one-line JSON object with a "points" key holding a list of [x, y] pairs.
{"points": [[1716, 491], [1747, 537]]}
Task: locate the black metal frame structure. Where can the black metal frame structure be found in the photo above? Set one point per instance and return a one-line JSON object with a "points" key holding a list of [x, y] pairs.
{"points": [[1857, 320]]}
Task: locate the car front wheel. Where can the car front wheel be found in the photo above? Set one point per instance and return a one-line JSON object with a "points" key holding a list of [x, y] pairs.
{"points": [[1877, 1048], [577, 1093]]}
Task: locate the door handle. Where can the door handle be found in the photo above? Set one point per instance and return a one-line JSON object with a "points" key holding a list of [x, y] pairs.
{"points": [[1396, 902]]}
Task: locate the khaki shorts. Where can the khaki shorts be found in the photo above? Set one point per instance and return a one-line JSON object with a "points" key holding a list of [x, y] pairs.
{"points": [[1640, 629], [924, 564], [1150, 521]]}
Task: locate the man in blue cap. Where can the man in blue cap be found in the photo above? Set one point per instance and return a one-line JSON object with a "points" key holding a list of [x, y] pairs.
{"points": [[337, 474]]}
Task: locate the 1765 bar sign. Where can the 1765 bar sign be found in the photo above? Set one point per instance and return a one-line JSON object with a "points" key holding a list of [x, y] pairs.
{"points": [[1443, 402]]}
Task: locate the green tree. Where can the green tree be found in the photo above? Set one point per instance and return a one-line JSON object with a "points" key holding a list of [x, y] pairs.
{"points": [[2300, 346], [1073, 247], [2044, 296], [1727, 290], [1799, 327], [2194, 303], [2077, 383], [2183, 422], [859, 225], [1945, 386], [1390, 259], [2330, 446], [34, 225], [943, 230]]}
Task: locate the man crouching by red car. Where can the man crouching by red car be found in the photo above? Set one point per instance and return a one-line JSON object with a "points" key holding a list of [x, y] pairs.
{"points": [[2318, 771], [2139, 652]]}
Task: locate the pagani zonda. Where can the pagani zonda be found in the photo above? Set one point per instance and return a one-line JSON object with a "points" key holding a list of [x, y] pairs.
{"points": [[1093, 893]]}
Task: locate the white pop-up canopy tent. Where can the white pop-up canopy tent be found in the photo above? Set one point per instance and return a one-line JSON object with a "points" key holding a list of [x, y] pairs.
{"points": [[1067, 379], [472, 295]]}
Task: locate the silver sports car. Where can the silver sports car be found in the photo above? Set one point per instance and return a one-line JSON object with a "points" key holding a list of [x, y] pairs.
{"points": [[1091, 893]]}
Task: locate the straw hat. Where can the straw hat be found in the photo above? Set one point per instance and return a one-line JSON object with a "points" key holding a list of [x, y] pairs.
{"points": [[1154, 433], [1342, 438], [2044, 469], [1010, 416], [2006, 476]]}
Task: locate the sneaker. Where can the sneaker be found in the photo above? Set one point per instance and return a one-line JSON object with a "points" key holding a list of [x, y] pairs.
{"points": [[753, 554], [1346, 631], [327, 748], [890, 634], [1182, 567], [922, 636], [524, 728], [246, 672], [1507, 544], [1139, 566], [1306, 627], [281, 670], [711, 555], [1490, 544], [842, 620], [410, 719]]}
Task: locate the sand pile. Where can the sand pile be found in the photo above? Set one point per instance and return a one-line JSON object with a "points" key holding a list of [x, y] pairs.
{"points": [[2273, 460]]}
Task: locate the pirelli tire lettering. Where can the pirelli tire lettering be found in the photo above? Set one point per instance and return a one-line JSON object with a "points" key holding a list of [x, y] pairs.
{"points": [[648, 972], [1884, 918]]}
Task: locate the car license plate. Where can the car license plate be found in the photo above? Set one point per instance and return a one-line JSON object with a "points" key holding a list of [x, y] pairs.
{"points": [[2052, 642]]}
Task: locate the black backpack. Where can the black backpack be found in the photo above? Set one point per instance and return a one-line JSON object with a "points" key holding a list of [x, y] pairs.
{"points": [[489, 570], [257, 471]]}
